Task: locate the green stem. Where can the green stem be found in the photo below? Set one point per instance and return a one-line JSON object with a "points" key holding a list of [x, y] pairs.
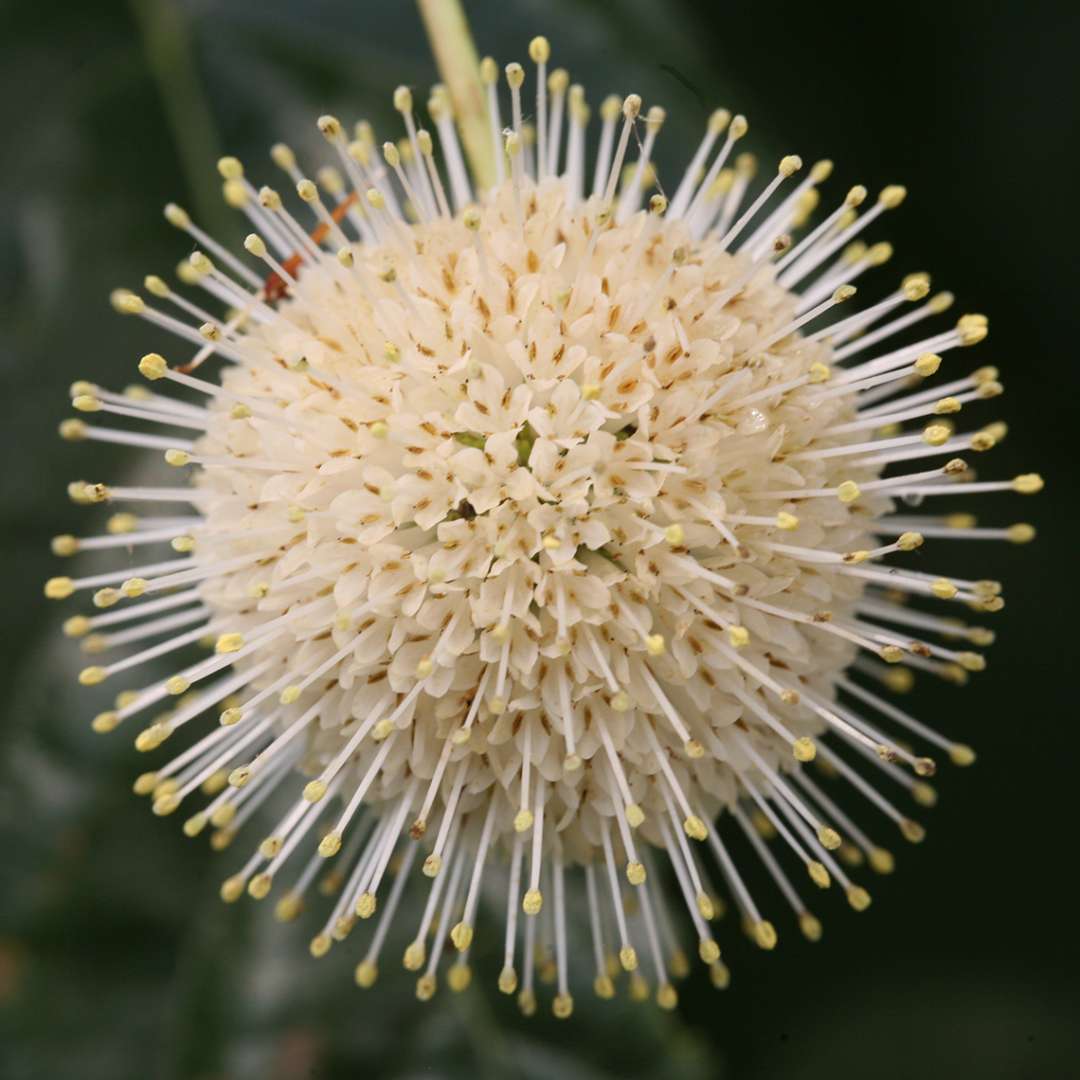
{"points": [[167, 45], [452, 43]]}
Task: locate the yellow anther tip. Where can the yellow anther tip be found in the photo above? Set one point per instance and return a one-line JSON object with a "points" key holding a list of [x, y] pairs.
{"points": [[961, 754], [153, 366], [764, 934], [330, 845], [848, 491], [858, 897], [1028, 484], [59, 588], [539, 50], [695, 828], [828, 838]]}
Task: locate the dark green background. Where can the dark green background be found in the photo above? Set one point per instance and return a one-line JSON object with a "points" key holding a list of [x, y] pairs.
{"points": [[116, 958]]}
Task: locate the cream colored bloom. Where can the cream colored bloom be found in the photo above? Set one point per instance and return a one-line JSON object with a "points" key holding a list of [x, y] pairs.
{"points": [[539, 535]]}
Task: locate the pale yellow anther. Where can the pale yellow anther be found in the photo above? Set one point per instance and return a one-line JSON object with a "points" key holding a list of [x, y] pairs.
{"points": [[382, 730], [515, 75], [819, 875], [819, 372], [628, 958], [76, 626], [523, 820], [848, 491], [674, 534], [879, 254], [432, 865], [844, 292], [230, 168], [961, 754], [855, 196], [972, 329], [695, 828], [330, 845], [259, 886], [927, 364], [804, 749], [892, 196], [635, 873], [943, 588], [365, 974], [1021, 533], [915, 286], [787, 522], [539, 50], [489, 71], [125, 302], [365, 905], [269, 199], [655, 644], [424, 142], [235, 193], [59, 588], [936, 434], [913, 832], [634, 815], [187, 273], [828, 838], [177, 685], [621, 702], [424, 667], [233, 888], [857, 897], [145, 783], [91, 676], [282, 156], [134, 587], [590, 391], [789, 165], [764, 934], [331, 128], [72, 429], [86, 403], [909, 541], [320, 945], [631, 106], [739, 127], [200, 263], [1028, 484], [177, 458], [289, 695], [177, 216], [532, 902], [164, 805], [414, 957], [891, 654]]}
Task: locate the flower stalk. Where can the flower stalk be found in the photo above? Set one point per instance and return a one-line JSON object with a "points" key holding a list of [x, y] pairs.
{"points": [[454, 51]]}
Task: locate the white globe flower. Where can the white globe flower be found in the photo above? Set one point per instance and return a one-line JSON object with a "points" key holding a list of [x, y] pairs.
{"points": [[539, 534]]}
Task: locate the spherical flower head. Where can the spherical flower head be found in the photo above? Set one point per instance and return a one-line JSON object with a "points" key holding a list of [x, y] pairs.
{"points": [[537, 530]]}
